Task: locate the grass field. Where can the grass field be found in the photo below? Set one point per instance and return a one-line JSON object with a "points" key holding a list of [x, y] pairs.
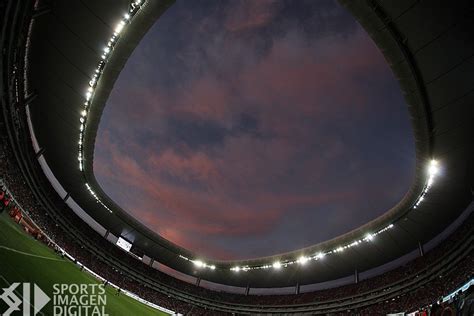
{"points": [[23, 259]]}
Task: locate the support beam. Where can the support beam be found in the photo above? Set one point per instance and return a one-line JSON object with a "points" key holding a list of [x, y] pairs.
{"points": [[68, 195], [151, 262], [39, 153], [356, 276], [297, 288], [106, 234], [40, 11], [247, 289], [30, 98], [198, 281], [420, 249]]}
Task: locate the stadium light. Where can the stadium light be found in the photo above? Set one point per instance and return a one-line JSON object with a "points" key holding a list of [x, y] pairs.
{"points": [[119, 27], [127, 17], [430, 182], [433, 169], [198, 263], [277, 265], [302, 260], [320, 255], [369, 237]]}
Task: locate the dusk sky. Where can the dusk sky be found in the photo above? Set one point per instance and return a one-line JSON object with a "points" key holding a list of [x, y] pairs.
{"points": [[241, 129]]}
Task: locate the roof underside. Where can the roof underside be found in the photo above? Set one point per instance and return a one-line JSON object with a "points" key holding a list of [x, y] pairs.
{"points": [[427, 44]]}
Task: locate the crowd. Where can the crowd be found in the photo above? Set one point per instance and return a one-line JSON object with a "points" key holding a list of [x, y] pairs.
{"points": [[4, 200], [461, 304]]}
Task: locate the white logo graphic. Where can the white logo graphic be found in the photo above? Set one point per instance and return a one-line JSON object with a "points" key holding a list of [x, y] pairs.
{"points": [[14, 302], [66, 299]]}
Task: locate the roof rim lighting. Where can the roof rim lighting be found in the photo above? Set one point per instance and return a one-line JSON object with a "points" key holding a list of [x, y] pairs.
{"points": [[89, 95]]}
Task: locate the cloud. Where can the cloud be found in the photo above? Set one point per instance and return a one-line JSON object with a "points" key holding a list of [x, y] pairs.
{"points": [[247, 15], [191, 218], [239, 137]]}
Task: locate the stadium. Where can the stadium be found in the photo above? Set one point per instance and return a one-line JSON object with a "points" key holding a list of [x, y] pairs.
{"points": [[75, 242]]}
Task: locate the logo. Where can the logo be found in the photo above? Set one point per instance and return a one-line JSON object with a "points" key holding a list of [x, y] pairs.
{"points": [[67, 299], [14, 302]]}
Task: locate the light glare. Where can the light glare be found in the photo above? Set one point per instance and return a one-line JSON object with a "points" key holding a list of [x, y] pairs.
{"points": [[119, 27], [433, 170], [302, 260], [198, 263]]}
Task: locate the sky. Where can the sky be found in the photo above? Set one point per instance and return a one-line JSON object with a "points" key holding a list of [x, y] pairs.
{"points": [[240, 129]]}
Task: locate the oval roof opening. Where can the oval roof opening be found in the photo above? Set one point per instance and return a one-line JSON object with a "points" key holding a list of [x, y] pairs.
{"points": [[250, 128]]}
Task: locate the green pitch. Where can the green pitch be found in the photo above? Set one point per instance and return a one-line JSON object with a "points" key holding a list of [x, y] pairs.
{"points": [[23, 259]]}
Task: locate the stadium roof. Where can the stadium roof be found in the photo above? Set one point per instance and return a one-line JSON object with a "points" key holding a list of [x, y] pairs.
{"points": [[428, 46]]}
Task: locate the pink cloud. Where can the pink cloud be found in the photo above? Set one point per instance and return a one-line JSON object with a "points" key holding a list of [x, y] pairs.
{"points": [[195, 166], [180, 214], [247, 15], [290, 80], [205, 98]]}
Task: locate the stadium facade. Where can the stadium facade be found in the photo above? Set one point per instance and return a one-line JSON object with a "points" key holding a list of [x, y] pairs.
{"points": [[60, 62]]}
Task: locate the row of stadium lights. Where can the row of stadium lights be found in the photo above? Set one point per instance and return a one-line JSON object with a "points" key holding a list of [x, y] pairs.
{"points": [[104, 58], [433, 170], [433, 167]]}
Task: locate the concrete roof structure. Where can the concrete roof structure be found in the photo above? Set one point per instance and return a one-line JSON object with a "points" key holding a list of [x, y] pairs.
{"points": [[427, 44]]}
